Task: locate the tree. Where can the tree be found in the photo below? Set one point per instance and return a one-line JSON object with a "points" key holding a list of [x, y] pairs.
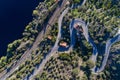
{"points": [[114, 68], [75, 72], [64, 56], [2, 61], [12, 47], [76, 1], [90, 64], [84, 77], [18, 75], [35, 12]]}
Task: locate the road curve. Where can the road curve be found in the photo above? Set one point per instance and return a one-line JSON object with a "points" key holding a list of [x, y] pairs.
{"points": [[87, 37], [26, 55], [109, 43]]}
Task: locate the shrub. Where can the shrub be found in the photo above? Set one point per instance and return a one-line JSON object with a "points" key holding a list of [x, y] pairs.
{"points": [[64, 56], [35, 12], [90, 64], [75, 72]]}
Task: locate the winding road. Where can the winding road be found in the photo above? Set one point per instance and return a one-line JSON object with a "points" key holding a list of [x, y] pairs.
{"points": [[27, 54], [72, 37], [87, 37], [109, 43]]}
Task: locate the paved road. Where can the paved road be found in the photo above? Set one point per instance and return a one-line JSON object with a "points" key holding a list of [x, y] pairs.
{"points": [[72, 35], [109, 43], [39, 38], [85, 33], [95, 51], [27, 54], [54, 49], [79, 4], [24, 57]]}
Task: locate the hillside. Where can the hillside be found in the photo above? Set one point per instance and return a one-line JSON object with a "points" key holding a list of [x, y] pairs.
{"points": [[67, 40]]}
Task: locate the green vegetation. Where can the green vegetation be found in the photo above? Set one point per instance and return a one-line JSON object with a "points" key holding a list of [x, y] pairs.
{"points": [[37, 56], [90, 64], [75, 72], [64, 56], [56, 67], [49, 3], [17, 48], [102, 19], [103, 23], [65, 30], [76, 1], [35, 13], [3, 61]]}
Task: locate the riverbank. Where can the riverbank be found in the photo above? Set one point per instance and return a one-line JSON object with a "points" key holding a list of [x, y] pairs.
{"points": [[14, 16]]}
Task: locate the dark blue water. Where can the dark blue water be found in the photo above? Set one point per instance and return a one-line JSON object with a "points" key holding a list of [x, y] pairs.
{"points": [[14, 16]]}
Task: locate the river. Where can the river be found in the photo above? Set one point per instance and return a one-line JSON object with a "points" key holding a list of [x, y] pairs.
{"points": [[14, 16]]}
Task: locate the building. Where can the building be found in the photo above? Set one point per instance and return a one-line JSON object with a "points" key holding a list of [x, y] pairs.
{"points": [[63, 44], [67, 3], [49, 37]]}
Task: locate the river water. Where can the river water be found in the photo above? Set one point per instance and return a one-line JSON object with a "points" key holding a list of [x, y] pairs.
{"points": [[14, 16]]}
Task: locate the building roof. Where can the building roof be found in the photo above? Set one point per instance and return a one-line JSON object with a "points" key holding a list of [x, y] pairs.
{"points": [[67, 3], [49, 37], [63, 44]]}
